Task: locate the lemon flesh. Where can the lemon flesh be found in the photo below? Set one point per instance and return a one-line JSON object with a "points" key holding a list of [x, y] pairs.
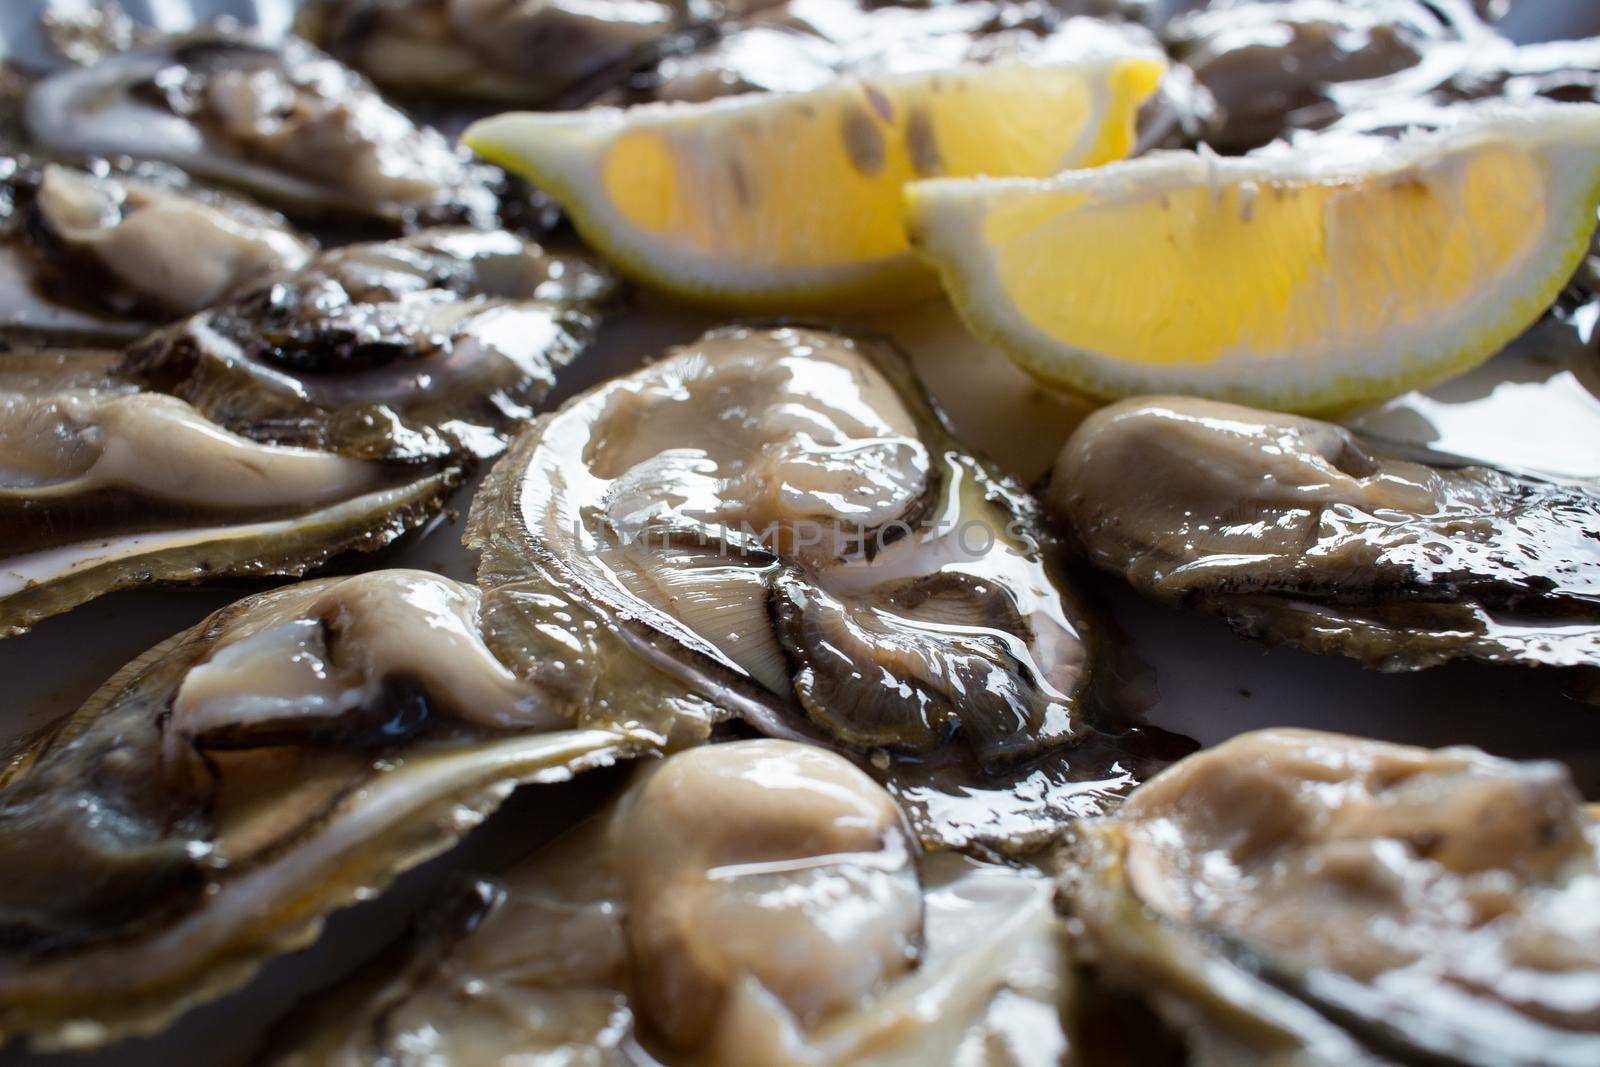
{"points": [[1299, 280], [794, 201]]}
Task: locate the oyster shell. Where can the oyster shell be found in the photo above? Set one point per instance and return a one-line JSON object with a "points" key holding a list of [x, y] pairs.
{"points": [[101, 254], [750, 902], [529, 52], [280, 120], [104, 486], [803, 44], [1277, 65], [324, 410], [217, 797], [550, 54], [430, 346], [1308, 898], [1298, 531], [777, 519]]}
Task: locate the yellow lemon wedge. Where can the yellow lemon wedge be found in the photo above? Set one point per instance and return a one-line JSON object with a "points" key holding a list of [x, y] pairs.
{"points": [[1305, 279], [789, 202]]}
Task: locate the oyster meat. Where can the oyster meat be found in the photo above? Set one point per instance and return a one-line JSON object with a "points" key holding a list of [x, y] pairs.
{"points": [[221, 794], [104, 486], [280, 120], [743, 903], [804, 44], [1277, 65], [1298, 531], [430, 346], [777, 518], [102, 254], [529, 52], [562, 54], [1309, 898], [323, 410]]}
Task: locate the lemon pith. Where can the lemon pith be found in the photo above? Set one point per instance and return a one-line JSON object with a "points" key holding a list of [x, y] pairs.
{"points": [[794, 200], [1287, 280]]}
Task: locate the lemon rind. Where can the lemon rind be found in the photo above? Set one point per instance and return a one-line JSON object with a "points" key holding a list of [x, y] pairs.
{"points": [[974, 289], [565, 170]]}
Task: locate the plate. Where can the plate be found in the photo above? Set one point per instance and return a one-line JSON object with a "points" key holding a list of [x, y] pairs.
{"points": [[1535, 407]]}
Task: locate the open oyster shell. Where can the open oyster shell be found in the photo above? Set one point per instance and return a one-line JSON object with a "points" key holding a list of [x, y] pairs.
{"points": [[1297, 531], [325, 410], [218, 796], [1308, 898], [105, 486], [529, 52], [1278, 65], [743, 903], [564, 54], [799, 45], [434, 345], [778, 519], [96, 254], [278, 119]]}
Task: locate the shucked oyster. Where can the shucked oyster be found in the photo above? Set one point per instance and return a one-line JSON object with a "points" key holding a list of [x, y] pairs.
{"points": [[799, 45], [100, 254], [542, 53], [104, 486], [431, 346], [779, 520], [754, 902], [221, 794], [531, 52], [282, 121], [1274, 65], [1295, 897], [1296, 531], [325, 410], [1494, 69]]}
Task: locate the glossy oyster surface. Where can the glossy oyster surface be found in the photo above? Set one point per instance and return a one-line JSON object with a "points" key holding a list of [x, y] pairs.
{"points": [[1292, 896], [529, 52], [777, 519], [105, 486], [430, 346], [281, 120], [1298, 531], [218, 796], [563, 54], [96, 253], [804, 44], [1278, 65], [750, 902]]}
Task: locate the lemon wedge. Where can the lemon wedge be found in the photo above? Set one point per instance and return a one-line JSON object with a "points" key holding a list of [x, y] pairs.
{"points": [[1304, 279], [786, 202]]}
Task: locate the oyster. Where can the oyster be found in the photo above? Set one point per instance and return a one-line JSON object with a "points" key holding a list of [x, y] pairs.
{"points": [[1276, 65], [218, 796], [104, 486], [1296, 897], [96, 253], [1432, 95], [743, 903], [777, 518], [430, 346], [529, 52], [282, 121], [1298, 531], [799, 45], [552, 54], [804, 44], [324, 410]]}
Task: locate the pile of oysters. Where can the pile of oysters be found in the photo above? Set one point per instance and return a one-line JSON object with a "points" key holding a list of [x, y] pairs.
{"points": [[849, 758]]}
